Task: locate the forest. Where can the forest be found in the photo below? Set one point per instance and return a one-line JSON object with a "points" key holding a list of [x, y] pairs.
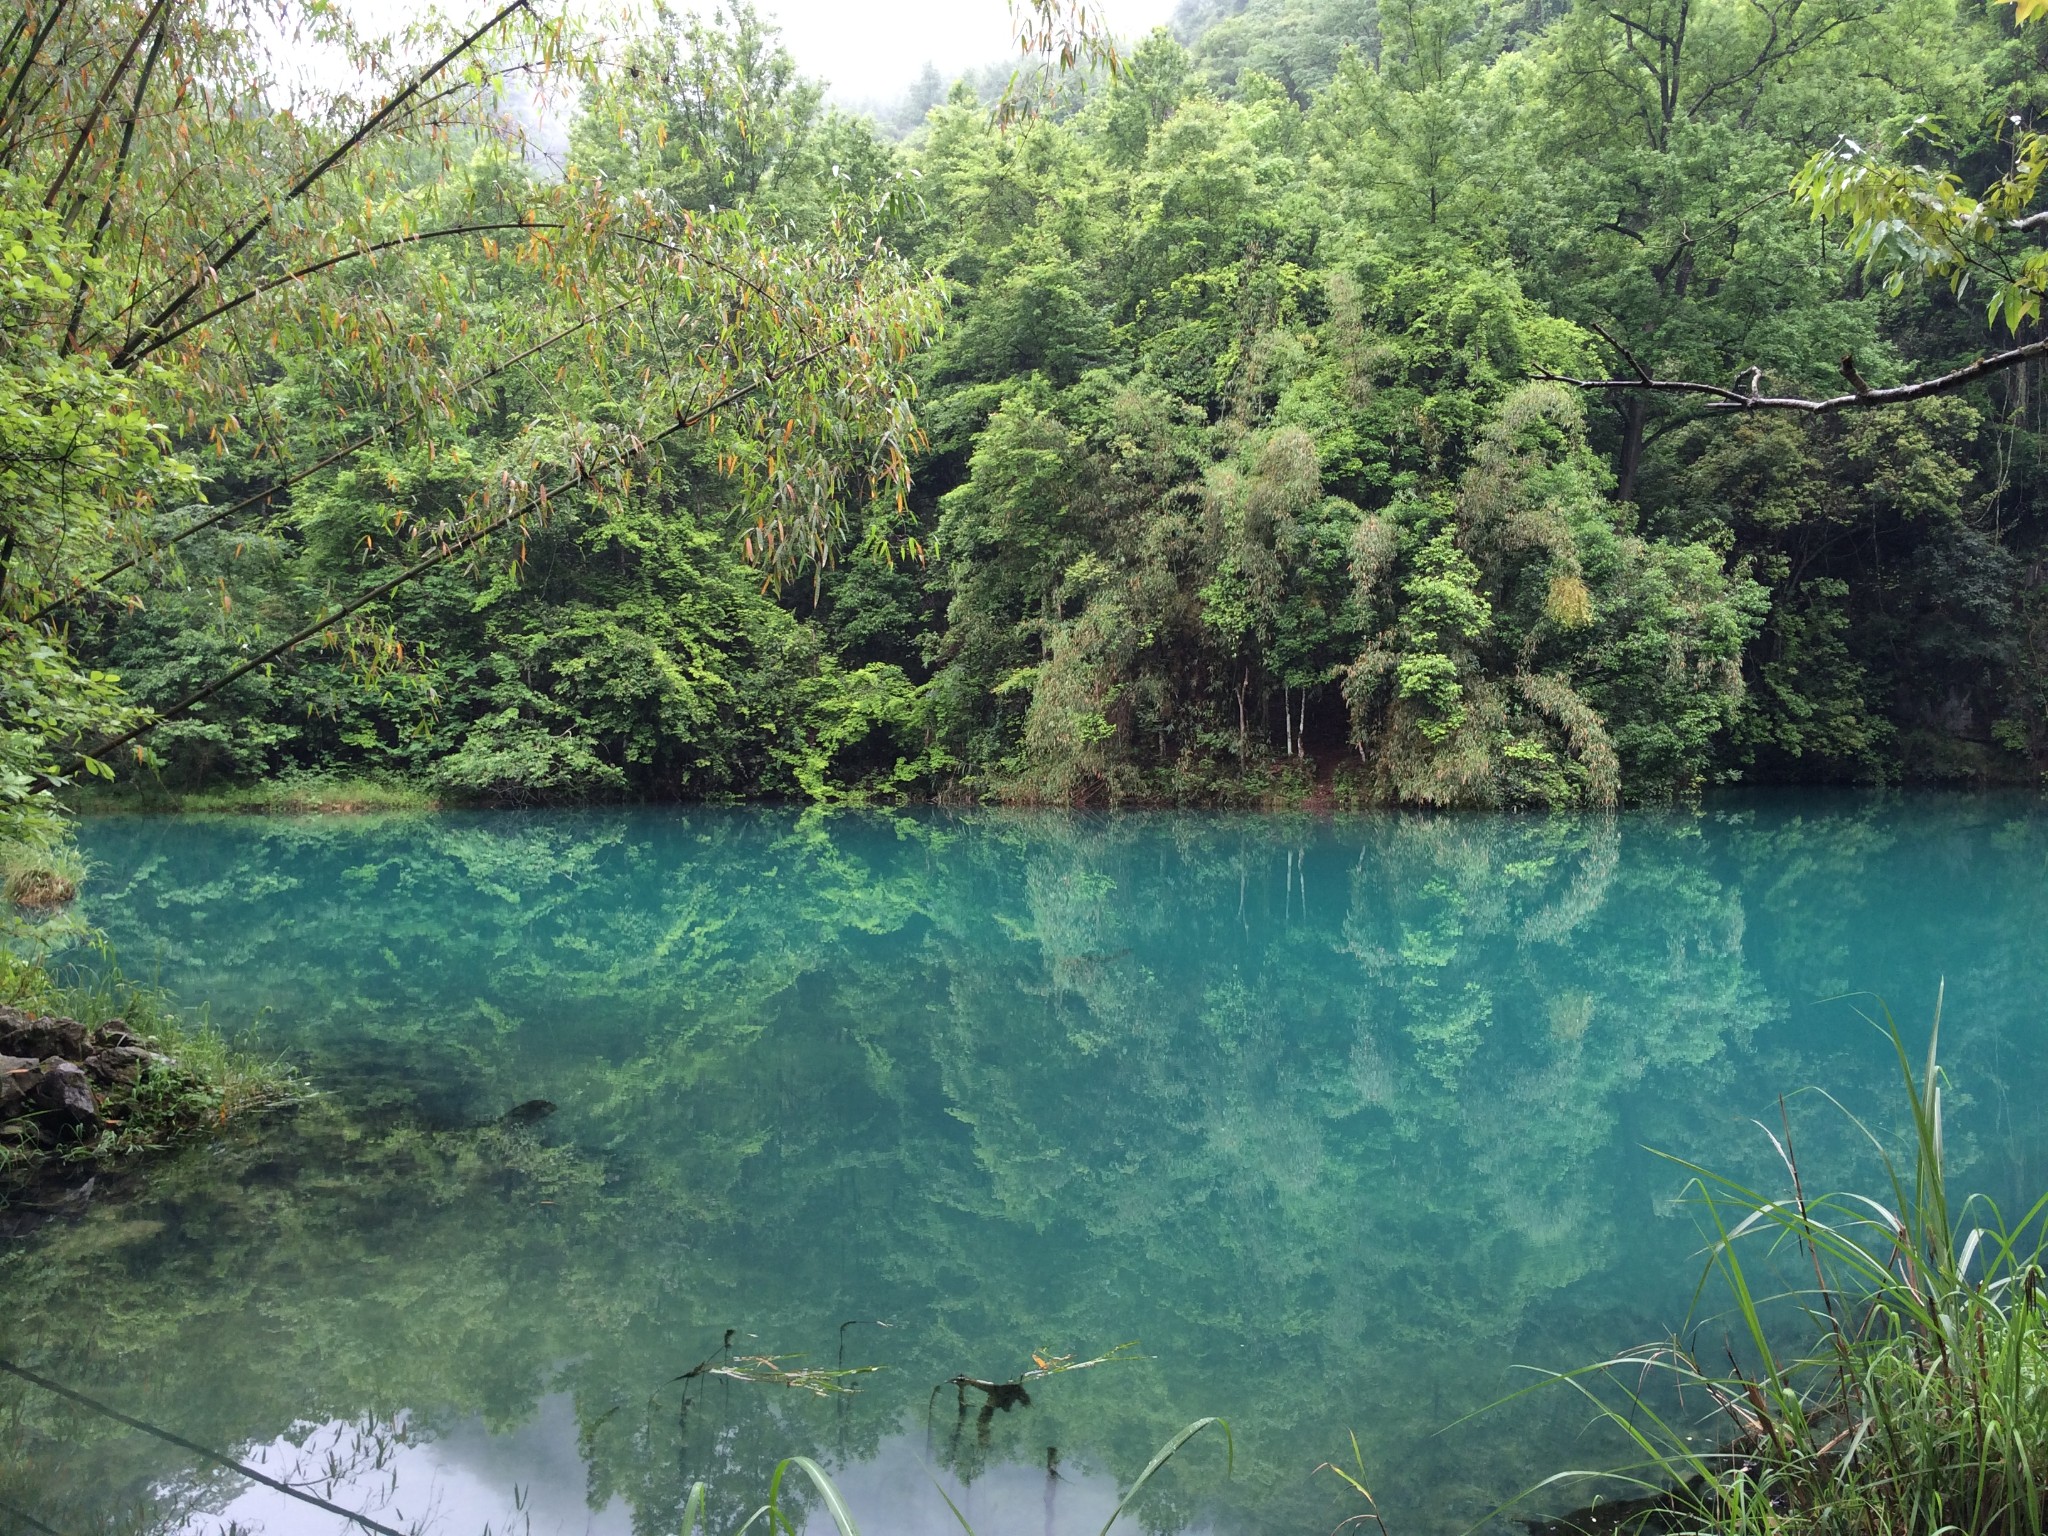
{"points": [[1388, 403]]}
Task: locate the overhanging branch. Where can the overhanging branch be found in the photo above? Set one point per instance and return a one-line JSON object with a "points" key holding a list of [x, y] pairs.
{"points": [[131, 351], [1721, 398], [279, 487], [208, 270]]}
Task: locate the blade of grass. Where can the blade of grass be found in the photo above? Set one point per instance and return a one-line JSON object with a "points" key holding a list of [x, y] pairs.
{"points": [[1166, 1454], [952, 1506], [1918, 1408], [835, 1506]]}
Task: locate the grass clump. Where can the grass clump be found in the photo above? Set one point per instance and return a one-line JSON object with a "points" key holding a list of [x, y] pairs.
{"points": [[153, 1081], [197, 1083], [1913, 1398], [39, 878]]}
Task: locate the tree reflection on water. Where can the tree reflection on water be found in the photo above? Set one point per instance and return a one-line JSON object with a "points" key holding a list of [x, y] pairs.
{"points": [[1341, 1120]]}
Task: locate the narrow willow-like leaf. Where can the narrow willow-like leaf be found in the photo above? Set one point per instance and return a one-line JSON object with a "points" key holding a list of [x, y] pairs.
{"points": [[952, 1506], [1166, 1454], [835, 1505]]}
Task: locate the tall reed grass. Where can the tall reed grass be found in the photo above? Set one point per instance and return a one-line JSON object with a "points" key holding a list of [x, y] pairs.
{"points": [[776, 1519], [1912, 1396]]}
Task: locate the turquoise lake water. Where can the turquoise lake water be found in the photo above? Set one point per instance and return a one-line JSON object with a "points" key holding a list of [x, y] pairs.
{"points": [[1341, 1123]]}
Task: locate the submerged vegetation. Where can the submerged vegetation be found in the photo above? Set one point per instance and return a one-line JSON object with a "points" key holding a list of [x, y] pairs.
{"points": [[1340, 1118]]}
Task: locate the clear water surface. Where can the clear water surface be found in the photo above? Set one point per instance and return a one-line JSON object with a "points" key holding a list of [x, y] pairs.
{"points": [[1342, 1121]]}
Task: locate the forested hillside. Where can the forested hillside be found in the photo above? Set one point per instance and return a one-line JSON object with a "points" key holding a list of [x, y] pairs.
{"points": [[1246, 462]]}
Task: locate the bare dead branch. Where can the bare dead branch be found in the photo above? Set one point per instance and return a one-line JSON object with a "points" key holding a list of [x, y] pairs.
{"points": [[1724, 399], [1642, 373]]}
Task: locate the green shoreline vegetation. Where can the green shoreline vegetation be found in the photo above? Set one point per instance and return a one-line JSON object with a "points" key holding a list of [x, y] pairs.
{"points": [[1892, 1373], [1276, 786], [1257, 411], [297, 795]]}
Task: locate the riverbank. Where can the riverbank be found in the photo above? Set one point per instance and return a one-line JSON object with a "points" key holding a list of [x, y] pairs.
{"points": [[1327, 782], [272, 797], [100, 1071]]}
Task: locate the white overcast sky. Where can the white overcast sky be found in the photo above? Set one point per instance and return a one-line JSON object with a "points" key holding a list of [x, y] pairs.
{"points": [[867, 51], [873, 49], [862, 48]]}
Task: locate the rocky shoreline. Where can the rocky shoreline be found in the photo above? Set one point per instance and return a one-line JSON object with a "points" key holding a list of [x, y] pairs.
{"points": [[62, 1083]]}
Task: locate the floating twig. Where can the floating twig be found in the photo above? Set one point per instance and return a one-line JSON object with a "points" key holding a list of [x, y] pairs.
{"points": [[768, 1370], [1055, 1365]]}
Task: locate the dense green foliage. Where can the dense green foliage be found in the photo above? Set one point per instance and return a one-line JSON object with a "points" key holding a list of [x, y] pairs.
{"points": [[1238, 471], [399, 348], [79, 463]]}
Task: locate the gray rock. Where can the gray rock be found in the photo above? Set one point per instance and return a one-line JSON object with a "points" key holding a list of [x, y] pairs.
{"points": [[111, 1035], [18, 1078], [119, 1064], [24, 1035], [65, 1097]]}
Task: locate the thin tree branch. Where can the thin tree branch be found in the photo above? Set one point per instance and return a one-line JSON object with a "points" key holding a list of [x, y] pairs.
{"points": [[129, 349], [99, 233], [13, 36], [1732, 400], [277, 487], [1642, 373], [92, 118], [165, 338], [35, 47], [197, 1450], [29, 1520]]}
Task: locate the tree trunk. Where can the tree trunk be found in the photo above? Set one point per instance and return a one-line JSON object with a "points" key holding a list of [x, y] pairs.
{"points": [[1632, 417], [1244, 683]]}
